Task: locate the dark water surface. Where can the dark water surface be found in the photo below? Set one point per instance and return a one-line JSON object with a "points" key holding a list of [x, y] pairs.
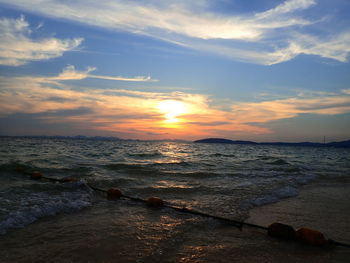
{"points": [[225, 180]]}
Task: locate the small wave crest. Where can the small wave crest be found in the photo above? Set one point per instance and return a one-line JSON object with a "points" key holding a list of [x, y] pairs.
{"points": [[20, 208], [13, 165], [199, 175], [278, 162], [272, 197], [171, 164], [133, 169], [146, 155], [305, 179], [17, 168], [156, 168], [223, 155]]}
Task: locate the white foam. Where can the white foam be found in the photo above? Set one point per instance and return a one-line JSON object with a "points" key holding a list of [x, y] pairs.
{"points": [[33, 206], [272, 197], [306, 179]]}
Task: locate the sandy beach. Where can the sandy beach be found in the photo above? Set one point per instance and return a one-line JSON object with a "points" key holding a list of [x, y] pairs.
{"points": [[167, 236]]}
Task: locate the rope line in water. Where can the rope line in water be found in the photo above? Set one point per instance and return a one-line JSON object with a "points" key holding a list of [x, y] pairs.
{"points": [[278, 230]]}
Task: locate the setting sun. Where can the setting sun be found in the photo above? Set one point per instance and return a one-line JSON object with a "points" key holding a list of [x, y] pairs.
{"points": [[172, 109]]}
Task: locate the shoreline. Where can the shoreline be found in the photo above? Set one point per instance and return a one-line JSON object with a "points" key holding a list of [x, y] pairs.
{"points": [[101, 233], [323, 205]]}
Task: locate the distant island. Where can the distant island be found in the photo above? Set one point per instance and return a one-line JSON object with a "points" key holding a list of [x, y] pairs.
{"points": [[76, 137], [345, 144]]}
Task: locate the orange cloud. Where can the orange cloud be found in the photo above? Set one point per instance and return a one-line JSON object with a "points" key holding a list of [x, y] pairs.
{"points": [[262, 112], [137, 114]]}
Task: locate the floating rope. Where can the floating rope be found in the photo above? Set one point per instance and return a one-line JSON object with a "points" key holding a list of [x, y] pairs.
{"points": [[278, 230]]}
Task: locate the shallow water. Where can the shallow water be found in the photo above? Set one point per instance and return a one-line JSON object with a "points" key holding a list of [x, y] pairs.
{"points": [[71, 219]]}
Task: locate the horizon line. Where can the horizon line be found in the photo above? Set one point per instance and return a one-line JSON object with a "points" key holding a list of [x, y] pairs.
{"points": [[167, 139]]}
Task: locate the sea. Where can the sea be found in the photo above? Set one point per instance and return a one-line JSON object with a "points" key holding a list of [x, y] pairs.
{"points": [[225, 180]]}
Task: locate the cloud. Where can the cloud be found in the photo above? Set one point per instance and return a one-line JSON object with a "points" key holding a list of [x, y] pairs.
{"points": [[70, 73], [287, 7], [176, 18], [346, 91], [264, 37], [136, 114], [266, 111], [18, 48], [336, 47]]}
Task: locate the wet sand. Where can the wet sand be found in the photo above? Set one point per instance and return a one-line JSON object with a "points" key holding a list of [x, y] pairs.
{"points": [[323, 205], [129, 232]]}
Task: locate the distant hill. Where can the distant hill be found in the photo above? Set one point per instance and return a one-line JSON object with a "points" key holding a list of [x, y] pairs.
{"points": [[344, 144], [76, 137], [220, 140], [340, 144]]}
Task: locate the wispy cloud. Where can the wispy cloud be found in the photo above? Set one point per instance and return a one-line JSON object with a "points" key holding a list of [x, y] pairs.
{"points": [[346, 91], [17, 47], [264, 37], [336, 47], [70, 73], [183, 19], [287, 7], [266, 111]]}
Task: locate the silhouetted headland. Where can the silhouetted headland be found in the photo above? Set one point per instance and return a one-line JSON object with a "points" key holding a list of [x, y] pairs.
{"points": [[345, 144]]}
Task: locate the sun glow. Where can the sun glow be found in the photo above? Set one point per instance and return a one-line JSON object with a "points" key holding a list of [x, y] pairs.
{"points": [[172, 109]]}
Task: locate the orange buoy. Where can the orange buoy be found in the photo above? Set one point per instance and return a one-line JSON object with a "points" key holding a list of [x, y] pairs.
{"points": [[113, 194], [36, 175], [68, 179], [155, 201], [19, 169], [310, 236], [281, 231]]}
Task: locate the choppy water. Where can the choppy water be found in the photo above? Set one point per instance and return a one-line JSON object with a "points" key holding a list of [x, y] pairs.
{"points": [[225, 180]]}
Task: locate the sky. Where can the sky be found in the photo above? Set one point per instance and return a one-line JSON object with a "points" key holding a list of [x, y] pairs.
{"points": [[261, 70]]}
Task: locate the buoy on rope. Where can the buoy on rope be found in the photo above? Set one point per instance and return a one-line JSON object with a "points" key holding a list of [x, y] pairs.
{"points": [[311, 236], [113, 194], [68, 180], [281, 231], [306, 235], [154, 201], [19, 169], [36, 175]]}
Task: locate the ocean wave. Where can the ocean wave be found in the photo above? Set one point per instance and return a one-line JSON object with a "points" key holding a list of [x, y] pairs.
{"points": [[146, 155], [13, 165], [222, 155], [19, 209], [157, 168], [278, 161], [171, 163], [164, 191], [200, 175], [272, 197], [173, 188], [129, 167], [305, 179], [60, 171]]}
